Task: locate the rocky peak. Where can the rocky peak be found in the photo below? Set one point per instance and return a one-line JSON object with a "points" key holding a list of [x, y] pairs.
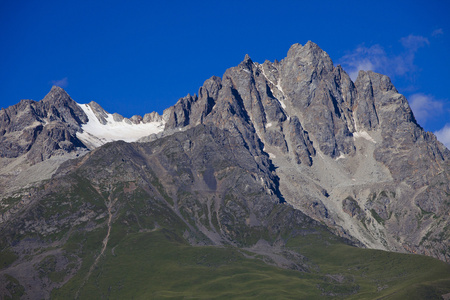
{"points": [[41, 129], [210, 88], [99, 112], [302, 71], [378, 82], [247, 63], [152, 117], [385, 105], [57, 95], [57, 105], [136, 119], [309, 56]]}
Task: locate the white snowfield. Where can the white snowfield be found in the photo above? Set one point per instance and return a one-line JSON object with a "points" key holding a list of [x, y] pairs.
{"points": [[364, 135], [96, 134]]}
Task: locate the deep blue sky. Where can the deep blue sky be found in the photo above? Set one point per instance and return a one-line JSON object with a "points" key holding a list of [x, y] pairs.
{"points": [[134, 57]]}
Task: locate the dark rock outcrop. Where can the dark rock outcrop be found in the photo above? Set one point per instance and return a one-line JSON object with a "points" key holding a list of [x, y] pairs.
{"points": [[41, 129]]}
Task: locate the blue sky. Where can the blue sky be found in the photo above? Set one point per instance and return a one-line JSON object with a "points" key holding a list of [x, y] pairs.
{"points": [[134, 57]]}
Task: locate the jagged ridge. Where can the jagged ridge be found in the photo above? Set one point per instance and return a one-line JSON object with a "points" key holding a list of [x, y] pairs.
{"points": [[348, 154]]}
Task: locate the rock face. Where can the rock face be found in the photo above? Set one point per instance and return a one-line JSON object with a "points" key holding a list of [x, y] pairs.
{"points": [[348, 154], [331, 139], [41, 129], [36, 137]]}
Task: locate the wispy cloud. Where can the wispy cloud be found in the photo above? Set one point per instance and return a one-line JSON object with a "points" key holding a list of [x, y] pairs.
{"points": [[443, 135], [376, 59], [425, 107], [414, 42], [437, 32], [63, 83], [364, 58]]}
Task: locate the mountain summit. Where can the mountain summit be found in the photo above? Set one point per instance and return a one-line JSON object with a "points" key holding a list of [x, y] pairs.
{"points": [[268, 151], [348, 154]]}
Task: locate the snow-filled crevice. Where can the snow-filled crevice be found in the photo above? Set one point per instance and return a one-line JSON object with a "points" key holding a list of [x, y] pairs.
{"points": [[278, 86]]}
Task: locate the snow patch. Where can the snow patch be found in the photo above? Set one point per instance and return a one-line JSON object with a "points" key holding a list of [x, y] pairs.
{"points": [[364, 135], [268, 125], [276, 85], [320, 154], [96, 134], [284, 95], [354, 120], [271, 155], [340, 156]]}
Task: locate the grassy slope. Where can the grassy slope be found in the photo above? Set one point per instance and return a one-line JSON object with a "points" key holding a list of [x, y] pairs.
{"points": [[379, 273], [160, 264], [142, 263]]}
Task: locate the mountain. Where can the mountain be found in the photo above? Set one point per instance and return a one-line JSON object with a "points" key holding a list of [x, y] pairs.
{"points": [[36, 137], [350, 155], [284, 165]]}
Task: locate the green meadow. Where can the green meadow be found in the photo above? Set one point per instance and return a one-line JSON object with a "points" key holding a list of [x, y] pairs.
{"points": [[161, 265]]}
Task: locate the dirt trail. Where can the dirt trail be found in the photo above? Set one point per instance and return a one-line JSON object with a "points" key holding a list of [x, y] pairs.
{"points": [[109, 204]]}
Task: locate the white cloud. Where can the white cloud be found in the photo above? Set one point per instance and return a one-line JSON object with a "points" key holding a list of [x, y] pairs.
{"points": [[364, 58], [437, 32], [414, 42], [443, 135], [425, 107], [63, 83], [376, 59]]}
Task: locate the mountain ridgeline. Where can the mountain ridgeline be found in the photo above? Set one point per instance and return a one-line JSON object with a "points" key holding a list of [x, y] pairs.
{"points": [[268, 166], [350, 155]]}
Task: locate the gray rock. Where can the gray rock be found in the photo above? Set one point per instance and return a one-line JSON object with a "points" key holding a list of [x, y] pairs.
{"points": [[351, 207], [30, 125], [136, 119], [99, 112], [152, 117], [117, 117], [303, 105]]}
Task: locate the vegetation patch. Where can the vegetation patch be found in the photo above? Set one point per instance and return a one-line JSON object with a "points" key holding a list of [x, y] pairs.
{"points": [[379, 219], [7, 257], [7, 203], [161, 264], [14, 288]]}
